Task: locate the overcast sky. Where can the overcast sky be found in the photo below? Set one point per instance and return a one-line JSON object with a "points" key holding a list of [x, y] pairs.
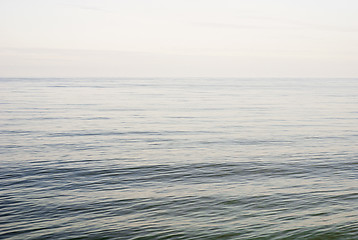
{"points": [[178, 38]]}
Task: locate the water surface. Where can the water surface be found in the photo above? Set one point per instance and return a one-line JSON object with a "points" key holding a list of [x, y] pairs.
{"points": [[178, 158]]}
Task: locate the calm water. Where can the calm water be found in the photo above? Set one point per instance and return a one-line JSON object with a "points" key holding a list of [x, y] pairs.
{"points": [[179, 159]]}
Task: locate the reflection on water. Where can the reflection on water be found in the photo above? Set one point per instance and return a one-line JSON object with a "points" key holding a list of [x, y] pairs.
{"points": [[178, 158]]}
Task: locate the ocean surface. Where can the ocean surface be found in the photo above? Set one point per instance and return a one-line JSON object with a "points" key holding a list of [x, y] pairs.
{"points": [[178, 158]]}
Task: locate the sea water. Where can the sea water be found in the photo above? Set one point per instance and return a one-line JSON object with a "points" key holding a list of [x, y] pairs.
{"points": [[196, 158]]}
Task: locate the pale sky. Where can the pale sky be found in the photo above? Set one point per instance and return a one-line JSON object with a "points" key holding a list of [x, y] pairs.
{"points": [[178, 38]]}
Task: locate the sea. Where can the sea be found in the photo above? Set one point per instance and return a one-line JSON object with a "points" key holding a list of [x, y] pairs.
{"points": [[179, 158]]}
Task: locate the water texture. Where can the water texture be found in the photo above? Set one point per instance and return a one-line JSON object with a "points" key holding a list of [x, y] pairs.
{"points": [[179, 158]]}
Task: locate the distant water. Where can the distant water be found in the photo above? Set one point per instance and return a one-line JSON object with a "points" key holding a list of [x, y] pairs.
{"points": [[179, 159]]}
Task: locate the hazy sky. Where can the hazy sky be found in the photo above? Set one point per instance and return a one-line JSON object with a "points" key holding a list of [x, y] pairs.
{"points": [[178, 38]]}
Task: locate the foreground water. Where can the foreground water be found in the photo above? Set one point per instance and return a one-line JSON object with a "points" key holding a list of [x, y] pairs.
{"points": [[179, 159]]}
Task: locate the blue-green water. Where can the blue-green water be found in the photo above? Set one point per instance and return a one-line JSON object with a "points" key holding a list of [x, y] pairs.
{"points": [[179, 159]]}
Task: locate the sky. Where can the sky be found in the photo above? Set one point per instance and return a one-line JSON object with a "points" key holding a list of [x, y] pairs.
{"points": [[178, 38]]}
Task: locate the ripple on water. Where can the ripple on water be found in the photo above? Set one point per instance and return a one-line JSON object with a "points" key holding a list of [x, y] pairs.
{"points": [[157, 159]]}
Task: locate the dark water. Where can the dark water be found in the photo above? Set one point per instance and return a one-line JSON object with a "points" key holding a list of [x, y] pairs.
{"points": [[179, 159]]}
